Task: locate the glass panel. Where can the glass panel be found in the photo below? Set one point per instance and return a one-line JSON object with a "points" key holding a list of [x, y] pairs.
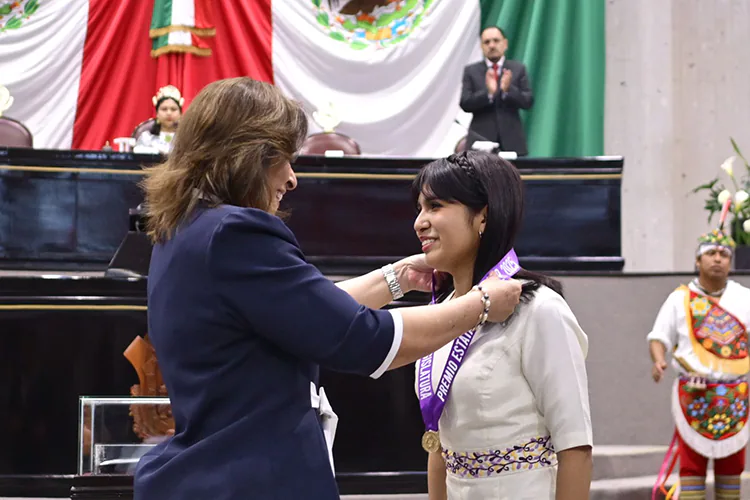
{"points": [[115, 432]]}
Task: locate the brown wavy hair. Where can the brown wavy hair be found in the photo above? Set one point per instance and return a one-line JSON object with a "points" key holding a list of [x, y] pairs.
{"points": [[234, 131]]}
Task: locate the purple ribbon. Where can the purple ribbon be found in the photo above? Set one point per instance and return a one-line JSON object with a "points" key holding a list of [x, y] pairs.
{"points": [[432, 402]]}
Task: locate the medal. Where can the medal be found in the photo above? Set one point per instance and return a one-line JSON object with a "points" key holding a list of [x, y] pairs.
{"points": [[431, 441]]}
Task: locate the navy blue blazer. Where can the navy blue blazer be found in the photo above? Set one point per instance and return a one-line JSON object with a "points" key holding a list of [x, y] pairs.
{"points": [[240, 322]]}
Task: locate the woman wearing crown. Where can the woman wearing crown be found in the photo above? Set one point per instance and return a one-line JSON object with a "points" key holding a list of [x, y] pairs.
{"points": [[168, 103]]}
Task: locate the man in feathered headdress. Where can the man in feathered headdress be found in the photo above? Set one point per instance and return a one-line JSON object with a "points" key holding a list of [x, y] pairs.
{"points": [[704, 326]]}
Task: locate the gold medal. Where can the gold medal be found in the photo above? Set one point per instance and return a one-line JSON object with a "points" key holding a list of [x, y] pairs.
{"points": [[431, 441]]}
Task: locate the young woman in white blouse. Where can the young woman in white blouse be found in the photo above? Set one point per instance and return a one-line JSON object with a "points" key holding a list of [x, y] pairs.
{"points": [[515, 421]]}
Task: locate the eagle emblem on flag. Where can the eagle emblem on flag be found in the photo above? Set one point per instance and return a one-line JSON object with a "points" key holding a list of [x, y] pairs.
{"points": [[13, 14], [363, 24]]}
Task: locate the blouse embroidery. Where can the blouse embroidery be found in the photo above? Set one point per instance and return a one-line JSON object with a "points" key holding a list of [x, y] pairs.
{"points": [[536, 453]]}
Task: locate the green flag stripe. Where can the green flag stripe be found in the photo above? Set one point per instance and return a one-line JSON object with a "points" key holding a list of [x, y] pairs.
{"points": [[160, 41], [563, 48], [162, 15]]}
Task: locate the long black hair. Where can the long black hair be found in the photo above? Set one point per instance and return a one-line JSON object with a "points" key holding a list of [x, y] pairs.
{"points": [[156, 127], [477, 180]]}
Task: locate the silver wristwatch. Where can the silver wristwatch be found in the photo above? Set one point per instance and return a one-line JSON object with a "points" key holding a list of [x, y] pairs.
{"points": [[390, 277]]}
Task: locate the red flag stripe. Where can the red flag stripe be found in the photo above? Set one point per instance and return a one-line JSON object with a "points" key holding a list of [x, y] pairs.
{"points": [[204, 15], [117, 74]]}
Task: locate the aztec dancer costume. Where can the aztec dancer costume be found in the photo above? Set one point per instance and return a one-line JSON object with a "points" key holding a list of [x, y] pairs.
{"points": [[706, 332]]}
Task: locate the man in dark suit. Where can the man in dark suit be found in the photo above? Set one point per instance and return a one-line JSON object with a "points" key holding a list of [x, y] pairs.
{"points": [[494, 90]]}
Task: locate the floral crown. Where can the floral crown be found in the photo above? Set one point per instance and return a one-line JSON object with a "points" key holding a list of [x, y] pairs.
{"points": [[168, 92], [716, 238]]}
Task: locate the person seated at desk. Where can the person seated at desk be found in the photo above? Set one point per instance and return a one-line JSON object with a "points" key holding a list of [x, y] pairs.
{"points": [[158, 139]]}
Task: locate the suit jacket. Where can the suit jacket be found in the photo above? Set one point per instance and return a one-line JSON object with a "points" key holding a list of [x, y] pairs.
{"points": [[497, 119], [240, 323]]}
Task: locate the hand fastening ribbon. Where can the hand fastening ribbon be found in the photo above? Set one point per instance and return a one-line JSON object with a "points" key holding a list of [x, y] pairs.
{"points": [[432, 401]]}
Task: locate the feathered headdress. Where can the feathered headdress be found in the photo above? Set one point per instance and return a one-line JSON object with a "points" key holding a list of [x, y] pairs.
{"points": [[717, 238]]}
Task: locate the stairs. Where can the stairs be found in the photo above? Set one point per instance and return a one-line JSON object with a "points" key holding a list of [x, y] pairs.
{"points": [[621, 472], [630, 472], [624, 472]]}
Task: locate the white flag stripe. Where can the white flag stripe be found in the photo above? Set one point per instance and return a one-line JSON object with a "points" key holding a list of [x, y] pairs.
{"points": [[398, 100], [183, 13], [180, 38], [40, 63]]}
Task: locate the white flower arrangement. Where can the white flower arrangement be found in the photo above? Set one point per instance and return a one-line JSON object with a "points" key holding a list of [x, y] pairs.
{"points": [[6, 100], [718, 194]]}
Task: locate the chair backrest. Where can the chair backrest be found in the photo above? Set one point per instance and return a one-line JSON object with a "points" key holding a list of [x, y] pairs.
{"points": [[461, 145], [14, 134], [142, 127], [318, 144]]}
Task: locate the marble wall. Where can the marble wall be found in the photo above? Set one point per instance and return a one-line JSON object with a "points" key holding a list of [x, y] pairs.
{"points": [[677, 87]]}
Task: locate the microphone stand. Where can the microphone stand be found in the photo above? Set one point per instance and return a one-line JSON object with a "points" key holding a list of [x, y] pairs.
{"points": [[478, 136]]}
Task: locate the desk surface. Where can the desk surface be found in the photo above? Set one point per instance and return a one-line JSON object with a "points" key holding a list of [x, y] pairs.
{"points": [[18, 156], [69, 209]]}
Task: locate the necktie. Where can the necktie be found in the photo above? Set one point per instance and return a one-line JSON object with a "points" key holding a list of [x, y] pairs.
{"points": [[494, 69]]}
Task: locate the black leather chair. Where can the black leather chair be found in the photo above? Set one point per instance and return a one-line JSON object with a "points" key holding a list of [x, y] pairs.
{"points": [[143, 127]]}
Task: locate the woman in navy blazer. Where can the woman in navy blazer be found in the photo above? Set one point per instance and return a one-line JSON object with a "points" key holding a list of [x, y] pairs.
{"points": [[240, 321]]}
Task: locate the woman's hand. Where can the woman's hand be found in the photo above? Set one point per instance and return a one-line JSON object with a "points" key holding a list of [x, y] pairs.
{"points": [[427, 328], [414, 273], [504, 297]]}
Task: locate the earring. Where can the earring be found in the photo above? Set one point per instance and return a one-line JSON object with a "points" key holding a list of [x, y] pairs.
{"points": [[480, 235]]}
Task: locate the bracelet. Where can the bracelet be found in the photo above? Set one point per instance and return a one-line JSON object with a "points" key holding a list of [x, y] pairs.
{"points": [[393, 285], [485, 303]]}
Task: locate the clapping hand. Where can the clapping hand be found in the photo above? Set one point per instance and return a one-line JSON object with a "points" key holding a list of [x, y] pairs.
{"points": [[505, 80], [490, 81]]}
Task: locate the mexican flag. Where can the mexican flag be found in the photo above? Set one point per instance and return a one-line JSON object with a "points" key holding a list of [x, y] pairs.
{"points": [[41, 52], [391, 70], [83, 71], [178, 26]]}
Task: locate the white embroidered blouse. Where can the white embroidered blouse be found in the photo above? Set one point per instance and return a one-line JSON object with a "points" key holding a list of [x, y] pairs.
{"points": [[520, 395]]}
